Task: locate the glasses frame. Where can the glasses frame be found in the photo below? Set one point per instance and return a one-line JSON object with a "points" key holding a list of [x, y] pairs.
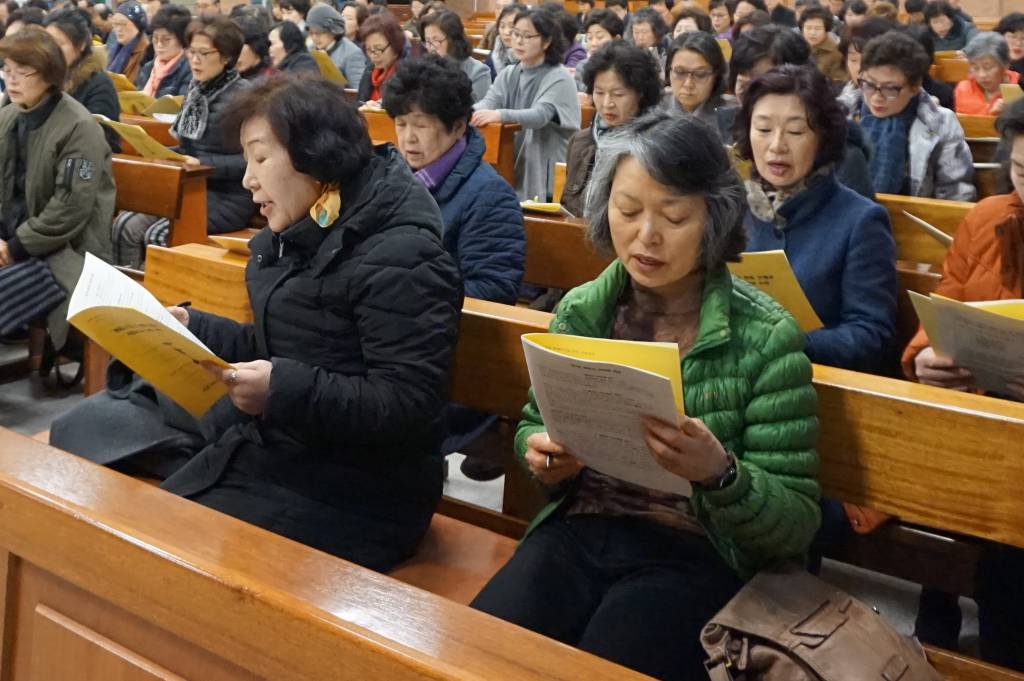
{"points": [[888, 92]]}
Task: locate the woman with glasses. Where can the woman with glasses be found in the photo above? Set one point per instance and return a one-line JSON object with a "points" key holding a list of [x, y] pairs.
{"points": [[624, 83], [539, 94], [919, 147], [384, 44], [168, 73], [989, 59], [56, 184], [1011, 27], [502, 54], [288, 52], [213, 44], [697, 73], [127, 49], [444, 35]]}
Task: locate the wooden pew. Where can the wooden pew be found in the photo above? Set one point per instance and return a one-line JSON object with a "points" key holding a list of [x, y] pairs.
{"points": [[106, 577], [951, 70], [557, 253], [913, 244], [586, 116], [982, 136], [158, 130], [559, 183], [498, 139], [167, 189]]}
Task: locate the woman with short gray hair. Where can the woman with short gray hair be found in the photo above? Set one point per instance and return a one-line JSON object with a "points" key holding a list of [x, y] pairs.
{"points": [[628, 572], [980, 94]]}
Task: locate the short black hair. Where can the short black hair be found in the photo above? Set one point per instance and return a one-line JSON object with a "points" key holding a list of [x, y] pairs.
{"points": [[224, 33], [857, 37], [652, 17], [1010, 123], [756, 19], [635, 67], [816, 11], [607, 20], [914, 6], [435, 85], [291, 37], [937, 8], [313, 119], [30, 16], [858, 7], [565, 20], [617, 3], [759, 4], [449, 23], [825, 115], [1011, 23], [699, 17], [899, 50], [776, 43], [707, 47], [922, 34], [549, 29], [727, 4], [255, 35], [300, 6], [174, 19], [77, 26]]}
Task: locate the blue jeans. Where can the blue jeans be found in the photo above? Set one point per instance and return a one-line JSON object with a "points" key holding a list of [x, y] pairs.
{"points": [[624, 589]]}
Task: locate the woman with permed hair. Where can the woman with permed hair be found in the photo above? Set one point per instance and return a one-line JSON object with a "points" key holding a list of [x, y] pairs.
{"points": [[631, 573], [330, 428], [538, 94]]}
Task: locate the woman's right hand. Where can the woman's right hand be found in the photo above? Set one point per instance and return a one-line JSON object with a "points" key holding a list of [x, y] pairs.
{"points": [[548, 461], [941, 372], [179, 313]]}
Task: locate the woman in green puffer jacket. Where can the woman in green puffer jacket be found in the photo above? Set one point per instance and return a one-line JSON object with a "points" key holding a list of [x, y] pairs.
{"points": [[630, 573]]}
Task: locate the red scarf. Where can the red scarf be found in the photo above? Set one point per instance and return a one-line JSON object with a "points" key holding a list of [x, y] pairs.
{"points": [[377, 79]]}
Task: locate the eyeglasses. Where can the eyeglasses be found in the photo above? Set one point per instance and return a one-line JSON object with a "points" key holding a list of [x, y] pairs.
{"points": [[437, 42], [201, 55], [163, 39], [505, 29], [1017, 38], [887, 91], [377, 51], [10, 75], [519, 35], [699, 76]]}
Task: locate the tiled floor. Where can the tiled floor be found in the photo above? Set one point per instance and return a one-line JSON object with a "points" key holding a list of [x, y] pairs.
{"points": [[28, 405]]}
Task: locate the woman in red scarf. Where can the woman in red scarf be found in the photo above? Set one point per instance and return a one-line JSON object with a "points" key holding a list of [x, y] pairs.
{"points": [[168, 73], [384, 44]]}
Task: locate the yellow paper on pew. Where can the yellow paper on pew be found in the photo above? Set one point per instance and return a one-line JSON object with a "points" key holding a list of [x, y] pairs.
{"points": [[770, 271], [657, 358], [233, 244], [134, 102], [121, 82], [144, 145], [1011, 92], [132, 325], [537, 206], [328, 69], [168, 104]]}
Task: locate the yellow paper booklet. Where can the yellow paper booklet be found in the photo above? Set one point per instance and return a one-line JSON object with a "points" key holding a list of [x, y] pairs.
{"points": [[134, 327], [144, 145], [1011, 92], [234, 244], [121, 82], [593, 394], [328, 69], [770, 272], [134, 101], [537, 206], [984, 337], [168, 104]]}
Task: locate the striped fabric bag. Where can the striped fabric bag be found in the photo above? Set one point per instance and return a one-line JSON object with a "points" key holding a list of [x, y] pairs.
{"points": [[28, 291]]}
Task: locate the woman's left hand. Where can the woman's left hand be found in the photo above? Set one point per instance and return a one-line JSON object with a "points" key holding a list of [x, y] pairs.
{"points": [[485, 117], [248, 384], [689, 449], [5, 254], [191, 161]]}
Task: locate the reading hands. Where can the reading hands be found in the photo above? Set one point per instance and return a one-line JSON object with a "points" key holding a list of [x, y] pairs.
{"points": [[248, 388], [941, 372], [689, 449], [179, 313], [563, 464]]}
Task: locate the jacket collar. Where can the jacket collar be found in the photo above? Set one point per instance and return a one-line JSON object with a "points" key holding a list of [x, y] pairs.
{"points": [[591, 311], [928, 111], [464, 167], [83, 70]]}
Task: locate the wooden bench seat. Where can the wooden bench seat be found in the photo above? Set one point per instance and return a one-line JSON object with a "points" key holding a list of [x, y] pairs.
{"points": [[167, 189]]}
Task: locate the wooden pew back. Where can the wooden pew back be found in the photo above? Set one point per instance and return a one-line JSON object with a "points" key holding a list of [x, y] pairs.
{"points": [[166, 189], [557, 253], [913, 244]]}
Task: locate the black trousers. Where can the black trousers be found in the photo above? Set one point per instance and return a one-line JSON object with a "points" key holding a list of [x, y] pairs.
{"points": [[624, 589]]}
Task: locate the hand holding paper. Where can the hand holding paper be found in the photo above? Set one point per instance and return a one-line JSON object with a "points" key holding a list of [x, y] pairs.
{"points": [[688, 449]]}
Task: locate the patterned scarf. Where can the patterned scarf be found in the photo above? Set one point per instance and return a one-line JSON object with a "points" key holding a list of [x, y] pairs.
{"points": [[765, 200], [161, 69], [890, 137], [195, 111]]}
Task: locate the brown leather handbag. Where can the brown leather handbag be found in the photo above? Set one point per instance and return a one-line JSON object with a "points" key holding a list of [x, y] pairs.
{"points": [[788, 625]]}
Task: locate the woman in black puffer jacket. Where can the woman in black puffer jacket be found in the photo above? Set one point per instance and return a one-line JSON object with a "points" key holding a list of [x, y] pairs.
{"points": [[332, 433]]}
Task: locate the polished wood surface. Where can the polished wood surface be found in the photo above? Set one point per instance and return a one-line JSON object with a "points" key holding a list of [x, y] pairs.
{"points": [[559, 183], [586, 116], [978, 127], [167, 189], [951, 70], [110, 567], [557, 252], [212, 278], [913, 244]]}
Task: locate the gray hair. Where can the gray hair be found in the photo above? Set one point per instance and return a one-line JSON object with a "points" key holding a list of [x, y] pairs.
{"points": [[988, 44], [686, 155]]}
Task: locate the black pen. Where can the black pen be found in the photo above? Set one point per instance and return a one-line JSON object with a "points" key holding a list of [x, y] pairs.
{"points": [[184, 303]]}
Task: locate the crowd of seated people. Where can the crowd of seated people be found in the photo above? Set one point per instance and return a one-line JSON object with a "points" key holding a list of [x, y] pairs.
{"points": [[752, 126]]}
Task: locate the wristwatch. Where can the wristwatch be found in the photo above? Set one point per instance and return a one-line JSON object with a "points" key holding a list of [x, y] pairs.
{"points": [[725, 479]]}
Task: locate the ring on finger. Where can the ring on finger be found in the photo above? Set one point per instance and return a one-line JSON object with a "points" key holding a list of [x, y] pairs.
{"points": [[233, 377], [547, 463]]}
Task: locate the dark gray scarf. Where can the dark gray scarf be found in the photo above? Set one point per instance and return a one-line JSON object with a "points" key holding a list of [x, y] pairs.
{"points": [[195, 111]]}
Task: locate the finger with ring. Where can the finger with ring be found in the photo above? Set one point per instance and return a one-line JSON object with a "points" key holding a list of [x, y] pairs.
{"points": [[547, 463], [233, 377]]}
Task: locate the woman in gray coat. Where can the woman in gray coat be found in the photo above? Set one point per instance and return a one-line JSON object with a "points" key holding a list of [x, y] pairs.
{"points": [[327, 31], [56, 189], [444, 34]]}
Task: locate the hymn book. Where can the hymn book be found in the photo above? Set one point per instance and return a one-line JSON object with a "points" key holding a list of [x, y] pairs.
{"points": [[770, 271], [140, 140], [139, 103], [328, 69], [983, 337], [121, 82], [132, 325], [592, 394]]}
